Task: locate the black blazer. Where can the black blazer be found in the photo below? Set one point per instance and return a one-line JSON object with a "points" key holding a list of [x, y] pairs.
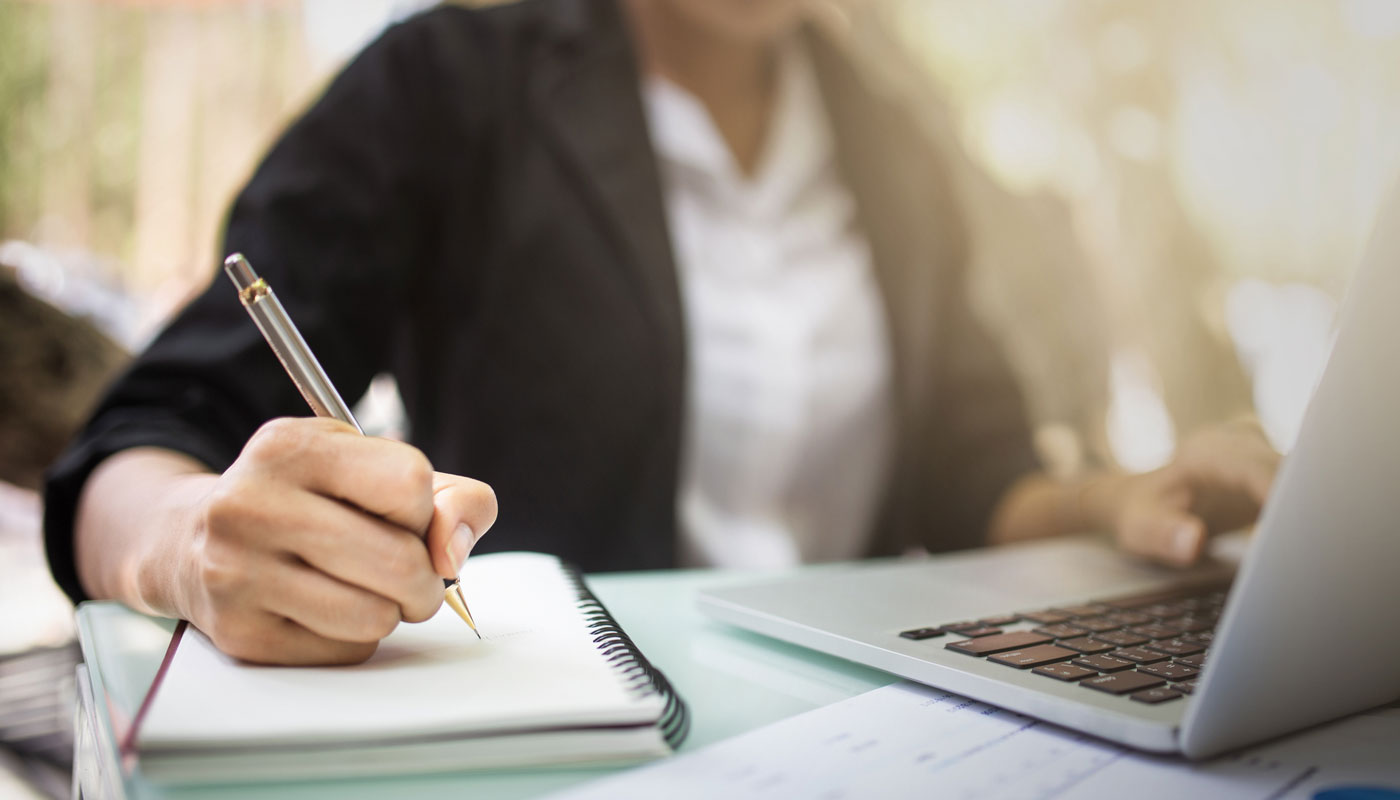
{"points": [[474, 206]]}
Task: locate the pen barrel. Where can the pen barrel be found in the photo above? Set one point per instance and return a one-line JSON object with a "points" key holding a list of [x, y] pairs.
{"points": [[296, 357]]}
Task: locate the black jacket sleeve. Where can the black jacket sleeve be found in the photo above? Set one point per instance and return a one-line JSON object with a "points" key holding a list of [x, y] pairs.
{"points": [[336, 219]]}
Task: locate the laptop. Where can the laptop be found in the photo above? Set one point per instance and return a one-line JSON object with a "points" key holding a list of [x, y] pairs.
{"points": [[1305, 629]]}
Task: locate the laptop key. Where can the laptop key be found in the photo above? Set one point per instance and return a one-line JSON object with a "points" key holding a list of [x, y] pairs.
{"points": [[1088, 610], [1141, 601], [1162, 631], [1185, 687], [1125, 618], [959, 627], [1190, 625], [1064, 630], [1064, 672], [1122, 682], [1102, 663], [1137, 655], [1033, 656], [918, 634], [1198, 660], [1121, 638], [1000, 643], [1163, 611], [1000, 621], [1159, 695], [973, 633], [1047, 617], [1097, 624], [1176, 647], [1204, 637], [1170, 671], [1086, 645]]}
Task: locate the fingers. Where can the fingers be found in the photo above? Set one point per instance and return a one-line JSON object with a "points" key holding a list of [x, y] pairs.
{"points": [[366, 552], [463, 510], [249, 523], [264, 638], [1231, 458], [327, 607], [388, 479], [1249, 473], [1170, 537], [1156, 522], [318, 541]]}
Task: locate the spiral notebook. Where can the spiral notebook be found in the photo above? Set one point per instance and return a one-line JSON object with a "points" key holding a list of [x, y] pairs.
{"points": [[553, 681]]}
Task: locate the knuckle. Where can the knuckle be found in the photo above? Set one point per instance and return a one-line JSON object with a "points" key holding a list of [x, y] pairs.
{"points": [[276, 435], [222, 575], [405, 559], [238, 636], [405, 487], [418, 471], [377, 619], [224, 509], [221, 584], [412, 478], [351, 653], [425, 603], [283, 440]]}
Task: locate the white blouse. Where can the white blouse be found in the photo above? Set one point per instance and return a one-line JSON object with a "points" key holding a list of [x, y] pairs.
{"points": [[787, 432]]}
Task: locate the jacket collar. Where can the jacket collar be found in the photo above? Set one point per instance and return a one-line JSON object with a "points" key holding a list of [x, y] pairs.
{"points": [[588, 91]]}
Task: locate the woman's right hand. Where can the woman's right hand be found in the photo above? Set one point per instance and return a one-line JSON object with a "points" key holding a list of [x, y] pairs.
{"points": [[309, 549]]}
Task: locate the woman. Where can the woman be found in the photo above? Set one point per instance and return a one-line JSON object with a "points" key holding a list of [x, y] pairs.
{"points": [[666, 274]]}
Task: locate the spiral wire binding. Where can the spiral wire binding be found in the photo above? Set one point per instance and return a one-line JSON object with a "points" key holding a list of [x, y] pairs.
{"points": [[627, 659]]}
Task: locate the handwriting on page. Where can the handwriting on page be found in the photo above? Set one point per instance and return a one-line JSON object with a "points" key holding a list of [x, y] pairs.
{"points": [[912, 741]]}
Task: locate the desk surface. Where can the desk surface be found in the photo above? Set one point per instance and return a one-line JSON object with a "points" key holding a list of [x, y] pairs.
{"points": [[734, 681]]}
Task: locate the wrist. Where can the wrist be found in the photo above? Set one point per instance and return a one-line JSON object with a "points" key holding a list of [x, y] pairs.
{"points": [[163, 574]]}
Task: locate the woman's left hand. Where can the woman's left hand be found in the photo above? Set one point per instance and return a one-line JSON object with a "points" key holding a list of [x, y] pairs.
{"points": [[1217, 482]]}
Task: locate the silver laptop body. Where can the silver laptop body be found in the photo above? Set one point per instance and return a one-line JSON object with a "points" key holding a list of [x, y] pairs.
{"points": [[1310, 630]]}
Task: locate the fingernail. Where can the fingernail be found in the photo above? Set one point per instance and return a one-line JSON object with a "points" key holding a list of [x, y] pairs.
{"points": [[461, 545], [1184, 542]]}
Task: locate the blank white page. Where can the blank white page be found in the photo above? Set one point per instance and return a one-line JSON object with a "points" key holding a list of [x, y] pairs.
{"points": [[536, 667]]}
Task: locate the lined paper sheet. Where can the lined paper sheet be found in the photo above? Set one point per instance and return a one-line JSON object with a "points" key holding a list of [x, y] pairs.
{"points": [[909, 740]]}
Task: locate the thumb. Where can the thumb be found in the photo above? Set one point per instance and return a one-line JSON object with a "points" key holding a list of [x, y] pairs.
{"points": [[463, 510], [1183, 539], [1158, 524]]}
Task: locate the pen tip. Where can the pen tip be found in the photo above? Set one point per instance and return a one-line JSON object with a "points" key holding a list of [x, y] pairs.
{"points": [[454, 598]]}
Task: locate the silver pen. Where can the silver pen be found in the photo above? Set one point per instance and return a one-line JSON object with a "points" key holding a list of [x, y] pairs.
{"points": [[306, 372]]}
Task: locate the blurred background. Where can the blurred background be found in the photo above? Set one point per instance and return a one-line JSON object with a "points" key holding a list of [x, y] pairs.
{"points": [[1167, 199]]}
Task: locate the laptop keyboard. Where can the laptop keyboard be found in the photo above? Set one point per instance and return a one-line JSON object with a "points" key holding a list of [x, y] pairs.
{"points": [[1148, 648]]}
